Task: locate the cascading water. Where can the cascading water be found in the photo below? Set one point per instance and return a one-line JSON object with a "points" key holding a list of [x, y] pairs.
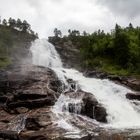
{"points": [[121, 112], [44, 54]]}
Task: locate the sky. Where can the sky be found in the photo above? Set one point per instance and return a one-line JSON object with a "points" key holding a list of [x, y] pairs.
{"points": [[88, 15]]}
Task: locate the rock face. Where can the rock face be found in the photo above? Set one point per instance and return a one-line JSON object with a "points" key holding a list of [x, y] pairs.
{"points": [[29, 86], [22, 89]]}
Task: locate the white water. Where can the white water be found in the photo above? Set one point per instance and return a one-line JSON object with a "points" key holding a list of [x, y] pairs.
{"points": [[121, 112]]}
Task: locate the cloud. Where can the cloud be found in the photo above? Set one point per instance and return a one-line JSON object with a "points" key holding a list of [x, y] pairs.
{"points": [[88, 15], [129, 8]]}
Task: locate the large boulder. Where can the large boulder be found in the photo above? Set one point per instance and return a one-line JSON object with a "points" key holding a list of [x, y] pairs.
{"points": [[89, 102], [28, 86], [85, 104]]}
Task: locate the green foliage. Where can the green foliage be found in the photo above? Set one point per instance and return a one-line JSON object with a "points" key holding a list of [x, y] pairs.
{"points": [[13, 39], [19, 25], [116, 52]]}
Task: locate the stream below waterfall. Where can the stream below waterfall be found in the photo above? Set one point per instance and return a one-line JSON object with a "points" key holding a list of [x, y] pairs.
{"points": [[122, 113]]}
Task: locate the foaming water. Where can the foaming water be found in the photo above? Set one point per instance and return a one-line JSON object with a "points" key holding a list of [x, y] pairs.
{"points": [[44, 54], [121, 112]]}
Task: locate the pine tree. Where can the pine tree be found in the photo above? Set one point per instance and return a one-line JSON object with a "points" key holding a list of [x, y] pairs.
{"points": [[25, 26], [12, 22], [19, 24], [4, 22], [57, 33]]}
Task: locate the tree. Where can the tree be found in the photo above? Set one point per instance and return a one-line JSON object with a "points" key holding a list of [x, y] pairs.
{"points": [[19, 24], [25, 26], [75, 33], [12, 22], [85, 33], [69, 31], [57, 33], [130, 26], [121, 46], [4, 22]]}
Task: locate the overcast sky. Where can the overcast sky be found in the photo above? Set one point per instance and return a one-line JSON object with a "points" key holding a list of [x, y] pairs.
{"points": [[89, 15]]}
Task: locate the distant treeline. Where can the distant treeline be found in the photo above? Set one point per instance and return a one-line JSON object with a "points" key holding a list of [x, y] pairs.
{"points": [[18, 24], [116, 52]]}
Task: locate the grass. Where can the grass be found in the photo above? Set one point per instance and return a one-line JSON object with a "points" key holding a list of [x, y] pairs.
{"points": [[107, 65]]}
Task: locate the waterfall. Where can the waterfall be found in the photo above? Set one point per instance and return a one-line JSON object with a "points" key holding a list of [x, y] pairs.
{"points": [[44, 54], [121, 112]]}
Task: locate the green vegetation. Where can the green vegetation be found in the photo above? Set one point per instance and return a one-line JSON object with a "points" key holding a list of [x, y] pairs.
{"points": [[14, 34], [117, 52]]}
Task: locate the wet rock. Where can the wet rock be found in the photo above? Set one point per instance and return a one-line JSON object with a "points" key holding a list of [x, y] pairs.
{"points": [[28, 86], [89, 102], [33, 135], [100, 113], [32, 103], [95, 74], [3, 99], [29, 95], [133, 83], [133, 96], [55, 85], [9, 135], [88, 105], [22, 110], [93, 109], [73, 86], [115, 78], [74, 108], [32, 124], [29, 77]]}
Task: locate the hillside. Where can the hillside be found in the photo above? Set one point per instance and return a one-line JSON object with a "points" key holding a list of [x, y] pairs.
{"points": [[117, 52], [14, 42]]}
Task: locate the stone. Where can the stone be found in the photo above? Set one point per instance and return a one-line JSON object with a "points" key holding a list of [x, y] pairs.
{"points": [[22, 110], [133, 96], [95, 74], [9, 135], [89, 102], [100, 113], [37, 103]]}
